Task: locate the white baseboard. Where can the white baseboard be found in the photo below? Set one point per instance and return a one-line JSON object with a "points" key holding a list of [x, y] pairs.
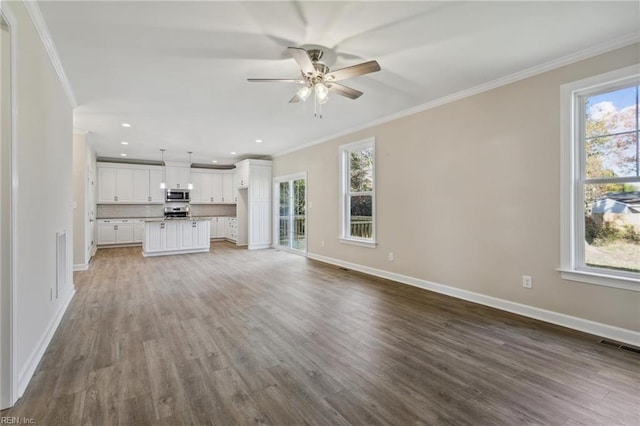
{"points": [[24, 377], [172, 252], [259, 246], [81, 267], [610, 332]]}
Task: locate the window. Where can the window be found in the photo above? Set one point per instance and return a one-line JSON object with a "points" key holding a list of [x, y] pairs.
{"points": [[358, 206], [601, 180]]}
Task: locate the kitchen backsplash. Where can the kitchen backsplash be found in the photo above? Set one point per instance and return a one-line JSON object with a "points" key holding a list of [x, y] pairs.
{"points": [[112, 211], [213, 210]]}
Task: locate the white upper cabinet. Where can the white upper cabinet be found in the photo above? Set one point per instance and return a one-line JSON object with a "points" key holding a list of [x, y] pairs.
{"points": [[107, 189], [140, 186], [124, 185], [178, 177], [216, 187], [227, 188], [129, 184], [242, 174], [156, 194], [211, 186]]}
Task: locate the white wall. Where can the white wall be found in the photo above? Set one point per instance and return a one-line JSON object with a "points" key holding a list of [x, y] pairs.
{"points": [[44, 135], [468, 197], [5, 207]]}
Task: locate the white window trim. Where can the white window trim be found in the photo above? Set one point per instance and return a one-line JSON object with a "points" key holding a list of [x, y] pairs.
{"points": [[344, 191], [570, 207]]}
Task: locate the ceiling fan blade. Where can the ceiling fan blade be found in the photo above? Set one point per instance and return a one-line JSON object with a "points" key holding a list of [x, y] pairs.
{"points": [[295, 99], [353, 71], [274, 80], [302, 58], [345, 91]]}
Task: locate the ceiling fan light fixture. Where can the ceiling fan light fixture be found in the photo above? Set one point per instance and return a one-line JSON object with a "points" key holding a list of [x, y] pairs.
{"points": [[322, 92], [304, 93]]}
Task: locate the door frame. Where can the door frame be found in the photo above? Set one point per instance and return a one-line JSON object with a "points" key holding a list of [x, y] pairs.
{"points": [[12, 340], [276, 210]]}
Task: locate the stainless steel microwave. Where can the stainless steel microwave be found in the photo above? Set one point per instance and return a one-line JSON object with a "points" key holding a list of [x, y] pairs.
{"points": [[177, 195]]}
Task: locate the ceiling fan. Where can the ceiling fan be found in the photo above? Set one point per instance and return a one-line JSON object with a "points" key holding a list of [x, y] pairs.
{"points": [[318, 79]]}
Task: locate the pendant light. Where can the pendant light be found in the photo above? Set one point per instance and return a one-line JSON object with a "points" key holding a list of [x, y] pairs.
{"points": [[163, 184], [190, 185]]}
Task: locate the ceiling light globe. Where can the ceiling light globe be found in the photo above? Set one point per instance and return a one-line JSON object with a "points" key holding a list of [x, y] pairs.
{"points": [[322, 92], [304, 93]]}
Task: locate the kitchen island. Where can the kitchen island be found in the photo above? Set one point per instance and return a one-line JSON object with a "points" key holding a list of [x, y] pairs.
{"points": [[164, 236]]}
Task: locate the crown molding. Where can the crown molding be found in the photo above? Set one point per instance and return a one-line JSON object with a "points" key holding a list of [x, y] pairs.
{"points": [[43, 31], [581, 55]]}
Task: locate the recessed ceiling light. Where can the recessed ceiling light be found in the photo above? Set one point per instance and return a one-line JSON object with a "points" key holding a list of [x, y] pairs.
{"points": [[258, 140], [214, 161], [123, 155], [233, 153], [124, 143], [126, 125]]}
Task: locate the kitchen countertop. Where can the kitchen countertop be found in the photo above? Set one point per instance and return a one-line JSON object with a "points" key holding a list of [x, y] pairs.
{"points": [[160, 218], [192, 219]]}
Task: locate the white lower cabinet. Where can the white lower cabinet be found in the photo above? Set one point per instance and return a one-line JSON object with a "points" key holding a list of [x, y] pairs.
{"points": [[175, 237], [138, 230], [218, 225], [231, 228], [124, 233], [106, 232], [115, 231]]}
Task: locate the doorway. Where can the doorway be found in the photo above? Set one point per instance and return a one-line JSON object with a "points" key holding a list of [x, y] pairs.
{"points": [[291, 215], [8, 384]]}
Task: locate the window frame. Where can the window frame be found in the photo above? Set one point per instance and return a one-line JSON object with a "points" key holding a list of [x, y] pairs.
{"points": [[346, 194], [573, 179]]}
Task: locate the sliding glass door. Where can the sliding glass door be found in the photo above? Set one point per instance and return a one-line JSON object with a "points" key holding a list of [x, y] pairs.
{"points": [[291, 223]]}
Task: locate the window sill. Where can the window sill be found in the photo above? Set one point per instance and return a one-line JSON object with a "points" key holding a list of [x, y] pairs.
{"points": [[361, 243], [625, 283]]}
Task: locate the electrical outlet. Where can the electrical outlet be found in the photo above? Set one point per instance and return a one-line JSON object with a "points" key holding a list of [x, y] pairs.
{"points": [[391, 256], [527, 281], [322, 243]]}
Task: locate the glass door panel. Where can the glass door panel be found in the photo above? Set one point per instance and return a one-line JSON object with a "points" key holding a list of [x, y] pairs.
{"points": [[299, 234], [285, 212], [292, 210]]}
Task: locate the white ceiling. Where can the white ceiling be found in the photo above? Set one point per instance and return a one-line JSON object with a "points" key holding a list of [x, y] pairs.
{"points": [[177, 70]]}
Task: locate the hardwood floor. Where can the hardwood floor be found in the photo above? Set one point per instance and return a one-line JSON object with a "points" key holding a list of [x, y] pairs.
{"points": [[264, 337]]}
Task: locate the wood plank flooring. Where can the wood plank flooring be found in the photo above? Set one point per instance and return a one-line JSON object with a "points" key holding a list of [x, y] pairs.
{"points": [[236, 337]]}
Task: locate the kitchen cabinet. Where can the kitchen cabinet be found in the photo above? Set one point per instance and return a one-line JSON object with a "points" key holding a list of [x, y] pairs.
{"points": [[140, 182], [176, 237], [156, 193], [115, 231], [107, 189], [254, 204], [195, 233], [231, 229], [211, 187], [138, 230], [114, 185], [178, 177], [106, 233], [242, 174], [154, 237], [129, 184], [227, 188], [217, 227]]}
